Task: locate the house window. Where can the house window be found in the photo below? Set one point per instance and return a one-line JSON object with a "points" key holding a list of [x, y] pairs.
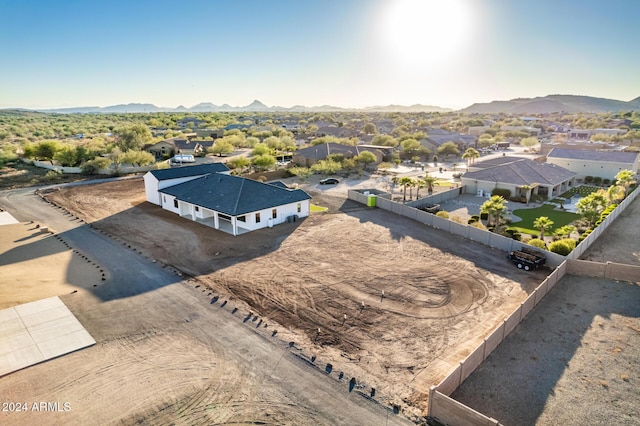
{"points": [[224, 216], [274, 213], [164, 198], [299, 207], [175, 203], [257, 217], [242, 218], [197, 208]]}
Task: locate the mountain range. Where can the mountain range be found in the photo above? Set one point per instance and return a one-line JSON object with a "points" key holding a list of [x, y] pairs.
{"points": [[554, 103], [255, 106], [539, 105]]}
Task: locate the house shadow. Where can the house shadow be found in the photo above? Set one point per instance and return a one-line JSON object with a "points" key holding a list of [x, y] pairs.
{"points": [[141, 249], [563, 346]]}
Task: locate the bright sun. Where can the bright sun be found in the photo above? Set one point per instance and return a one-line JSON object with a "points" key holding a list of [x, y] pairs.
{"points": [[419, 32]]}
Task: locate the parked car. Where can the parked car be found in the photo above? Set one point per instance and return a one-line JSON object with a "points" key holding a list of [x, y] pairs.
{"points": [[329, 181]]}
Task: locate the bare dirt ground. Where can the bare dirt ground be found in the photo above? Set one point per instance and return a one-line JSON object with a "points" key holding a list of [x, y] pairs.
{"points": [[574, 360], [36, 265], [442, 294]]}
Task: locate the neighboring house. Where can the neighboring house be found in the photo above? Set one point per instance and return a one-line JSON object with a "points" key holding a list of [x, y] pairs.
{"points": [[339, 132], [585, 134], [178, 145], [604, 164], [238, 126], [162, 149], [234, 204], [437, 137], [190, 122], [308, 156], [156, 180], [478, 130], [527, 129], [523, 177]]}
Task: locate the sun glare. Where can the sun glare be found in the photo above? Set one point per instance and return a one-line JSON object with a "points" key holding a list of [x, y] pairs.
{"points": [[421, 32]]}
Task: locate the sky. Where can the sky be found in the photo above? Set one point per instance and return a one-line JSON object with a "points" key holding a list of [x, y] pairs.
{"points": [[347, 53]]}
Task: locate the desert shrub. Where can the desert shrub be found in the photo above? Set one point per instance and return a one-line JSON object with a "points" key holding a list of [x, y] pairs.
{"points": [[52, 175], [91, 167], [563, 247], [443, 214], [588, 179], [504, 193], [597, 180], [598, 222], [606, 181], [513, 234], [475, 217], [536, 242], [478, 225], [535, 198], [471, 221]]}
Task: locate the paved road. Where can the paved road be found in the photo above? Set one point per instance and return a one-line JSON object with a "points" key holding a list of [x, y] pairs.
{"points": [[140, 298]]}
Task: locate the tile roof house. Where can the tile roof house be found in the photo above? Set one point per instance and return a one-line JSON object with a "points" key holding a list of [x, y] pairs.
{"points": [[437, 137], [604, 164], [207, 194], [307, 156], [519, 175]]}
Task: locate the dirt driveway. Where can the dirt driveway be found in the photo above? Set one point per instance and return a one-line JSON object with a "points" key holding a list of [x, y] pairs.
{"points": [[442, 294]]}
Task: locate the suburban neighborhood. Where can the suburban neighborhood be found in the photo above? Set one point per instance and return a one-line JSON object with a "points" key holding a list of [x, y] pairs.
{"points": [[366, 212]]}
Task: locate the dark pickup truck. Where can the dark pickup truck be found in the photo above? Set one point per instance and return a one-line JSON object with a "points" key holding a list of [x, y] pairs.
{"points": [[527, 258]]}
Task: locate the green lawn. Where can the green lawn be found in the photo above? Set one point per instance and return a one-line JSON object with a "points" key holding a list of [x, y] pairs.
{"points": [[528, 216]]}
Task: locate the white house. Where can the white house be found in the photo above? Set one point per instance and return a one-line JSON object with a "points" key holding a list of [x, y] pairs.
{"points": [[155, 180], [235, 204], [604, 164]]}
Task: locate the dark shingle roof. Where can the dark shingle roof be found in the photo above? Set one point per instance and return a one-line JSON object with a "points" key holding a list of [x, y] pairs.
{"points": [[523, 172], [178, 172], [234, 195], [607, 156]]}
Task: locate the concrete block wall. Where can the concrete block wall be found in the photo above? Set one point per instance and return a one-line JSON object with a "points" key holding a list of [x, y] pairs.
{"points": [[452, 412]]}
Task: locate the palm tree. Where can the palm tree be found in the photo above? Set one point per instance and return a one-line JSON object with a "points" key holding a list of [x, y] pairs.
{"points": [[470, 155], [564, 231], [542, 223], [429, 181], [405, 181], [494, 207], [411, 185], [420, 183]]}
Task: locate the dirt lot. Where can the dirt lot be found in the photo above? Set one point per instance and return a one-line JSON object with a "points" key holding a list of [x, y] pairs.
{"points": [[442, 294], [36, 265]]}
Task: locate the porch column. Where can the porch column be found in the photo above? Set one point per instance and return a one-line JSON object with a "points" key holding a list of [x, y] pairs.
{"points": [[216, 221], [234, 225]]}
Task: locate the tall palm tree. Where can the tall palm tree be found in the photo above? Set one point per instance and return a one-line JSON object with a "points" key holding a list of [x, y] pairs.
{"points": [[411, 185], [429, 181], [405, 181], [542, 223], [420, 183], [470, 155], [494, 207]]}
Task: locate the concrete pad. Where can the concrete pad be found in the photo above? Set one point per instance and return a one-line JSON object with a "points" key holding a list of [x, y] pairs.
{"points": [[38, 331], [7, 219]]}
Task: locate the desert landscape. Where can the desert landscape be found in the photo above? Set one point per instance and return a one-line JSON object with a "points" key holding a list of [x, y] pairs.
{"points": [[322, 281]]}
